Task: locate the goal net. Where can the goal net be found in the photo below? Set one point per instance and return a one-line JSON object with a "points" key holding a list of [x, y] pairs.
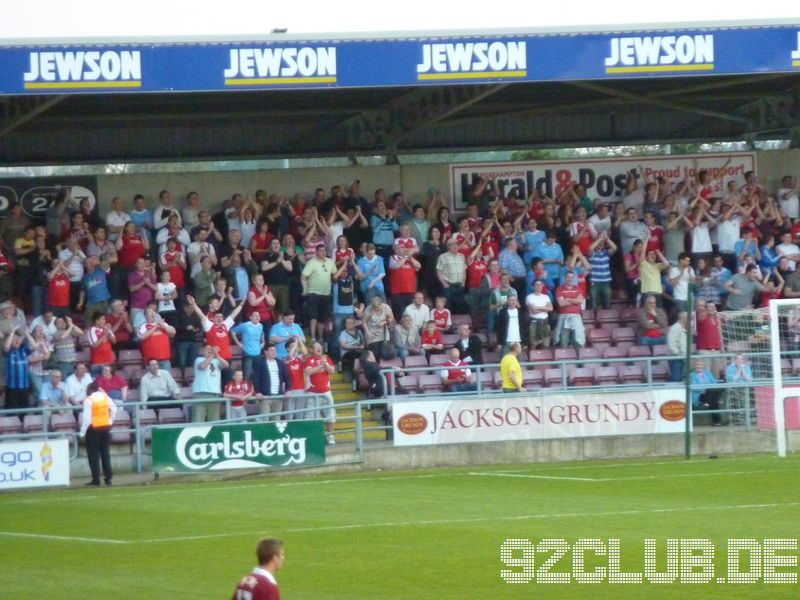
{"points": [[760, 356]]}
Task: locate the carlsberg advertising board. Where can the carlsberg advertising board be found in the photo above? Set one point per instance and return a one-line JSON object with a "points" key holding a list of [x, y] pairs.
{"points": [[246, 446]]}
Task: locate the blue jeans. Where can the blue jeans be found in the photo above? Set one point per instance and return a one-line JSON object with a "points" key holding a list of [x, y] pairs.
{"points": [[652, 341], [676, 370], [187, 352], [247, 364]]}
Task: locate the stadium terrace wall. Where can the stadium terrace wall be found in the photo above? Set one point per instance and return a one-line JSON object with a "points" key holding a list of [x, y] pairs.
{"points": [[413, 180]]}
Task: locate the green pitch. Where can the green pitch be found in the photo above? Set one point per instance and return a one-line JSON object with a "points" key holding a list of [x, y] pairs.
{"points": [[422, 534]]}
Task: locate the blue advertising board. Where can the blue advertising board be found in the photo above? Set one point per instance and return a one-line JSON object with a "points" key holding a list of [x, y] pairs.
{"points": [[286, 64]]}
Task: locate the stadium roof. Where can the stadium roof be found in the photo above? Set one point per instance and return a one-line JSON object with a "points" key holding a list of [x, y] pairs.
{"points": [[112, 100]]}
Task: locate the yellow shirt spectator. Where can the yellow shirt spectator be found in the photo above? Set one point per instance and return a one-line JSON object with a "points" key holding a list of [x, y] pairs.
{"points": [[508, 366]]}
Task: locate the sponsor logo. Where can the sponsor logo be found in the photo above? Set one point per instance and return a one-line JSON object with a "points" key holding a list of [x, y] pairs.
{"points": [[796, 53], [195, 452], [667, 53], [412, 424], [472, 60], [84, 70], [672, 410], [280, 66]]}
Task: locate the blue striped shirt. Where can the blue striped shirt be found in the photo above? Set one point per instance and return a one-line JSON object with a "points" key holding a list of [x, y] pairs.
{"points": [[601, 266], [18, 373]]}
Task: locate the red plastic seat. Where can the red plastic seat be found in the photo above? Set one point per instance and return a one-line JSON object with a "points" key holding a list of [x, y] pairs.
{"points": [[168, 416], [565, 354], [580, 376], [631, 374], [63, 422], [416, 360], [542, 354], [623, 334], [10, 424], [598, 336], [590, 353], [32, 423], [552, 377], [409, 383], [430, 383], [608, 315], [606, 375]]}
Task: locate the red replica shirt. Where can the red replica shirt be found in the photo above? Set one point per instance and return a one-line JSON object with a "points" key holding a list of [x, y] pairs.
{"points": [[131, 251], [258, 585], [320, 382], [708, 333], [568, 293], [585, 241], [297, 378], [121, 334], [476, 269], [102, 354], [219, 336], [408, 243], [340, 256], [491, 242], [239, 391], [157, 345], [454, 370], [441, 318], [177, 275], [58, 291], [403, 278], [465, 242], [656, 238], [536, 210], [432, 338]]}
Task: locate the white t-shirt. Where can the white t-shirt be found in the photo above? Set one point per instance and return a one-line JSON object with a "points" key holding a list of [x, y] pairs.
{"points": [[196, 251], [790, 204], [537, 301], [75, 267], [76, 388], [164, 290], [513, 334], [728, 233], [419, 316], [680, 289], [701, 239], [116, 219], [788, 250]]}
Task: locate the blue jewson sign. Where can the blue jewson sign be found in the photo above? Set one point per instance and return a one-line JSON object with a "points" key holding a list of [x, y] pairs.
{"points": [[184, 67]]}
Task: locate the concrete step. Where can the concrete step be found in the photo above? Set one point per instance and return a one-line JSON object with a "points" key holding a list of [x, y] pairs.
{"points": [[350, 413], [348, 424], [370, 436], [346, 397]]}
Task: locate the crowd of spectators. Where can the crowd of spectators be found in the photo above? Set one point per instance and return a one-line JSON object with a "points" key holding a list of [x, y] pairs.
{"points": [[261, 296]]}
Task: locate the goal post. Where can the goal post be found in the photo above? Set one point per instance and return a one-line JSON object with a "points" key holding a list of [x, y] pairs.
{"points": [[784, 341], [761, 388]]}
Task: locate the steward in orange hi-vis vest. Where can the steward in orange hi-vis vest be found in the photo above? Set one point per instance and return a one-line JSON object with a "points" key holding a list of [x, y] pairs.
{"points": [[98, 415]]}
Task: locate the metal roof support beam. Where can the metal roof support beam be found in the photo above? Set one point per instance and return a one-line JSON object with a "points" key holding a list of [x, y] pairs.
{"points": [[387, 126], [662, 103], [24, 110]]}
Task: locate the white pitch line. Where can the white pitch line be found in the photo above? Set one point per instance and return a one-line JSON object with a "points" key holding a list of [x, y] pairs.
{"points": [[523, 476], [66, 538], [631, 478], [477, 520]]}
